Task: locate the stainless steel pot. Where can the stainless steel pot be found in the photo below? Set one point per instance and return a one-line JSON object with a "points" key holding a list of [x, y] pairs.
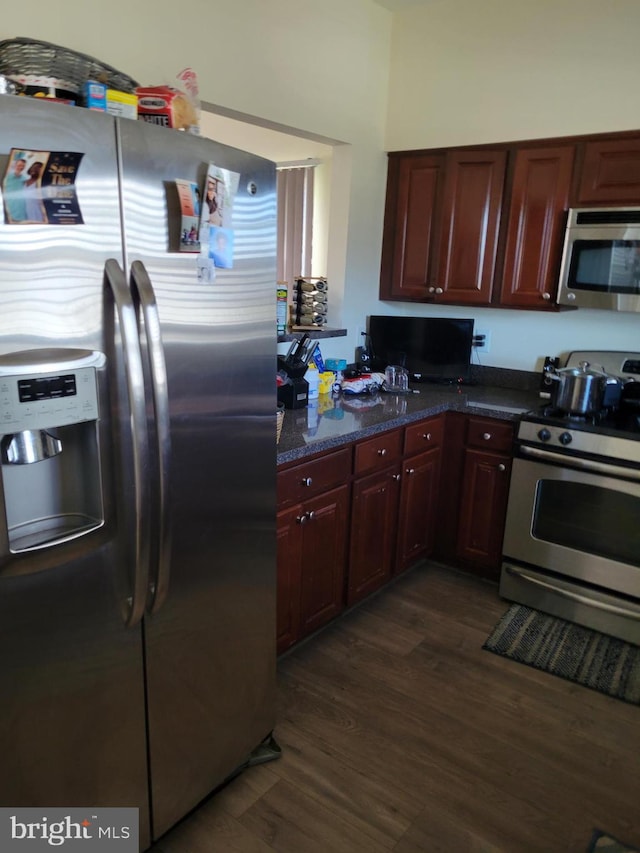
{"points": [[579, 390]]}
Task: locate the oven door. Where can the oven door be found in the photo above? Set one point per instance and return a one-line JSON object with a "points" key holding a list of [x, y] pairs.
{"points": [[576, 523], [572, 546]]}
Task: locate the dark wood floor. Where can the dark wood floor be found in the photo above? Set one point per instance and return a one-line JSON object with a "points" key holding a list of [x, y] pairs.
{"points": [[400, 733]]}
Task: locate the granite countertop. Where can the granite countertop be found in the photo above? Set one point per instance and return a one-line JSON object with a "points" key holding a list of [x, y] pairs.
{"points": [[340, 419]]}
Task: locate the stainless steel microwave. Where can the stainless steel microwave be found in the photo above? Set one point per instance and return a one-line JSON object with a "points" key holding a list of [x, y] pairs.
{"points": [[601, 259]]}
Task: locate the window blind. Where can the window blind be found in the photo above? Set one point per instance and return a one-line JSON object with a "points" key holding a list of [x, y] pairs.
{"points": [[295, 222]]}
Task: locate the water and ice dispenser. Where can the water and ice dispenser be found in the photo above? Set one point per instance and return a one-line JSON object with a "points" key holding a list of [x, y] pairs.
{"points": [[51, 484]]}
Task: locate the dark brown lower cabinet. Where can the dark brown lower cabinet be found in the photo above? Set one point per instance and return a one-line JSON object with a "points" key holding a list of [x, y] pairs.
{"points": [[312, 526], [324, 538], [352, 519], [483, 496], [374, 511], [417, 514], [483, 507]]}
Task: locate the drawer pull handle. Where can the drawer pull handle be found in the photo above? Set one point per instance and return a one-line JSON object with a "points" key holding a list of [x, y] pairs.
{"points": [[310, 515], [487, 436], [502, 467], [411, 470], [396, 477], [382, 452], [307, 481], [426, 436]]}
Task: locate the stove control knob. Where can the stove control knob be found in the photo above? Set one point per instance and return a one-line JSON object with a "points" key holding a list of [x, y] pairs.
{"points": [[565, 438], [544, 434]]}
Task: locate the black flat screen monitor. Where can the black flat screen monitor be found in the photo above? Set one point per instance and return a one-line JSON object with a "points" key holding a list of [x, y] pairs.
{"points": [[433, 349]]}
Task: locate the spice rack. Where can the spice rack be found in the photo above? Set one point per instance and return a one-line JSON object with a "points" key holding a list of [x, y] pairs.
{"points": [[309, 304]]}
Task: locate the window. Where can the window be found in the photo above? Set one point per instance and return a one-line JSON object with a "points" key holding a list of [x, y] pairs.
{"points": [[295, 220]]}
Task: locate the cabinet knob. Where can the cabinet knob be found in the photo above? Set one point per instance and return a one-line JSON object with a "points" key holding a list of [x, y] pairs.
{"points": [[546, 296], [426, 436], [307, 481], [382, 452], [306, 516], [396, 477], [432, 290], [439, 290], [411, 470], [502, 467], [486, 436]]}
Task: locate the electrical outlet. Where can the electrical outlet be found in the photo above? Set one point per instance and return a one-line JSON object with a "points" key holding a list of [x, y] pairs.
{"points": [[484, 345]]}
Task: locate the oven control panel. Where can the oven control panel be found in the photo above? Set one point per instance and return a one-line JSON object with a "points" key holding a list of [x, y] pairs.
{"points": [[563, 438]]}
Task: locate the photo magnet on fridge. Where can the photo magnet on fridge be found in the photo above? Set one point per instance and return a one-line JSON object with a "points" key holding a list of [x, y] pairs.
{"points": [[39, 188]]}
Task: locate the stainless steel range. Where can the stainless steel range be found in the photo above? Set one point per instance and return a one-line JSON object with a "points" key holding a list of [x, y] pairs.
{"points": [[572, 537]]}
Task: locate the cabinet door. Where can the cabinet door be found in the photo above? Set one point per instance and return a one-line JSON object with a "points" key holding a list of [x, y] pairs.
{"points": [[409, 234], [374, 509], [483, 508], [610, 172], [416, 517], [535, 227], [289, 538], [472, 202], [323, 557]]}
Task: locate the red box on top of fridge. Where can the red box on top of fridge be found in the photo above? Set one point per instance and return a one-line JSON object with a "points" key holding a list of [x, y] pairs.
{"points": [[165, 106]]}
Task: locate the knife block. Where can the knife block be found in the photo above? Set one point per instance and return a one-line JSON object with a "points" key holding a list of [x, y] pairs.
{"points": [[294, 395]]}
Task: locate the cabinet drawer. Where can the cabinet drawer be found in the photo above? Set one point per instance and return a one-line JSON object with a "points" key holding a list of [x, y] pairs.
{"points": [[487, 434], [311, 478], [379, 452], [423, 436]]}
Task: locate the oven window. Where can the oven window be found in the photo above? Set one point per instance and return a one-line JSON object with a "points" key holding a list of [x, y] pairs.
{"points": [[588, 518], [606, 266]]}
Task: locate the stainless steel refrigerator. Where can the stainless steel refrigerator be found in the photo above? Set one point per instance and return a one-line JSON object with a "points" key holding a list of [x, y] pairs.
{"points": [[137, 496]]}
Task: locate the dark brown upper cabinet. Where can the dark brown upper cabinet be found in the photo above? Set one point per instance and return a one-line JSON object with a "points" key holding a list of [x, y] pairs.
{"points": [[469, 223], [408, 254], [484, 225], [539, 197], [610, 172], [441, 226]]}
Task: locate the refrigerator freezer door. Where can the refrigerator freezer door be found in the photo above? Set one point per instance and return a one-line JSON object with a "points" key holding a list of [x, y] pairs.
{"points": [[72, 725], [210, 648]]}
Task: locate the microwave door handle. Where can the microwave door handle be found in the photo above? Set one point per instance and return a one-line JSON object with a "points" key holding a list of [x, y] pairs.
{"points": [[139, 554], [142, 287]]}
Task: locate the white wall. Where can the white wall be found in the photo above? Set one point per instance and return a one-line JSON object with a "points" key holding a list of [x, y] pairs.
{"points": [[464, 72]]}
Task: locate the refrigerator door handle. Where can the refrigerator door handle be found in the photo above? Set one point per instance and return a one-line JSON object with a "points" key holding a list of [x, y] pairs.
{"points": [[132, 358], [143, 289]]}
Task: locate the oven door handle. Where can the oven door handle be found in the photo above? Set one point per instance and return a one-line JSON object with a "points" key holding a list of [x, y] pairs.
{"points": [[574, 596], [582, 464]]}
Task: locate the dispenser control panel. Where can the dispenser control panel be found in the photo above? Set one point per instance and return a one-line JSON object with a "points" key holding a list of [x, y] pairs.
{"points": [[41, 399], [46, 388]]}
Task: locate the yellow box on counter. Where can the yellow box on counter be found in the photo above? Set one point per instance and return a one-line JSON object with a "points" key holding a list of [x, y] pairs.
{"points": [[122, 104], [325, 381]]}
